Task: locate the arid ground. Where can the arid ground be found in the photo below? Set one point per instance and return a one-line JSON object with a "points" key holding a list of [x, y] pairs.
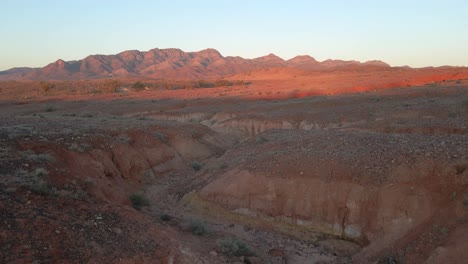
{"points": [[275, 165]]}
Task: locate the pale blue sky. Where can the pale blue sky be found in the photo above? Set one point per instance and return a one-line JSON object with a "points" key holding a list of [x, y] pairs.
{"points": [[416, 33]]}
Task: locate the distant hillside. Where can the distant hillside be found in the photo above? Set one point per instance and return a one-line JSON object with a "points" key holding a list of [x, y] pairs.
{"points": [[171, 64]]}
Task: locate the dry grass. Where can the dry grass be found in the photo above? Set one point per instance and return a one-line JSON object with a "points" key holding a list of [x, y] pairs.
{"points": [[37, 89], [31, 156]]}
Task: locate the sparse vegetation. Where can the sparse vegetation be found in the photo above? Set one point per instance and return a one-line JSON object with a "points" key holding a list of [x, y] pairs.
{"points": [[46, 86], [138, 86], [88, 115], [124, 139], [196, 166], [260, 140], [138, 200], [89, 181], [4, 152], [453, 196], [76, 147], [110, 85], [198, 227], [40, 172], [35, 181], [99, 86], [439, 232], [162, 137], [39, 186], [389, 260], [40, 158], [165, 217], [235, 247], [203, 84], [223, 83], [49, 108], [76, 194], [465, 104]]}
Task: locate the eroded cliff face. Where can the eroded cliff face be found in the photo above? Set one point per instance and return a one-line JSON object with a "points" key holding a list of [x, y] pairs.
{"points": [[65, 188], [119, 163], [376, 198]]}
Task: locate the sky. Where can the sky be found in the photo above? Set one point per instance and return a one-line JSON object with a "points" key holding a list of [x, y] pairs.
{"points": [[416, 33]]}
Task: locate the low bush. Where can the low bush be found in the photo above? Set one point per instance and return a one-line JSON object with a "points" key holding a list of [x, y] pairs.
{"points": [[138, 86], [138, 200], [49, 108], [39, 186], [40, 158], [260, 140], [166, 217], [198, 227], [196, 166], [235, 247]]}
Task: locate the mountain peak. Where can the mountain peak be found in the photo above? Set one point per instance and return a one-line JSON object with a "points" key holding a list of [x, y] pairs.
{"points": [[58, 64], [377, 63], [303, 59], [210, 53], [270, 57]]}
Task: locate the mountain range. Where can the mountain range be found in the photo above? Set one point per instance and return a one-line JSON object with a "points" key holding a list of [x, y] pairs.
{"points": [[172, 64]]}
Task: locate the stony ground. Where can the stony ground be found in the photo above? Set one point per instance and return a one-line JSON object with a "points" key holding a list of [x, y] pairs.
{"points": [[52, 210]]}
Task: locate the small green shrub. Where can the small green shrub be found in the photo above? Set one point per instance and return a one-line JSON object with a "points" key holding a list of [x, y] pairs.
{"points": [[198, 227], [38, 183], [260, 140], [49, 108], [44, 158], [235, 247], [162, 137], [138, 200], [4, 152], [75, 193], [465, 103], [76, 147], [40, 172], [389, 260], [39, 186], [87, 115], [166, 217], [124, 139], [196, 166]]}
